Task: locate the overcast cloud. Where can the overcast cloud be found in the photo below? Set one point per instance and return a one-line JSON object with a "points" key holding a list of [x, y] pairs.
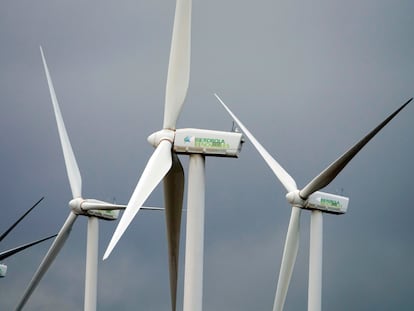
{"points": [[309, 79]]}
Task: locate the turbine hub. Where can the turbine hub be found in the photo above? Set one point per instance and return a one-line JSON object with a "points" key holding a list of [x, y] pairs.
{"points": [[294, 199], [76, 206], [155, 138]]}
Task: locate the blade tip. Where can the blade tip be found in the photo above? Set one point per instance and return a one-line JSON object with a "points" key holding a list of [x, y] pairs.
{"points": [[220, 100], [107, 253], [110, 247]]}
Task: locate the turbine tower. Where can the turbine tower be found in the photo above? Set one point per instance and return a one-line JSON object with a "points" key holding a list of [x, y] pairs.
{"points": [[91, 208], [165, 165], [309, 198]]}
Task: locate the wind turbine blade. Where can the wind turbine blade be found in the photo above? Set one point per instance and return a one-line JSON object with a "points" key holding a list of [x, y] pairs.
{"points": [[48, 259], [288, 260], [173, 199], [157, 167], [179, 64], [326, 176], [287, 181], [72, 168], [18, 249], [19, 220]]}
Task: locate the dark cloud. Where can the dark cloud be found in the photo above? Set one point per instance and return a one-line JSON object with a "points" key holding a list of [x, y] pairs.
{"points": [[308, 79]]}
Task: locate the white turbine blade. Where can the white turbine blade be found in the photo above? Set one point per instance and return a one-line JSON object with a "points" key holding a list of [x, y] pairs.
{"points": [[48, 259], [327, 175], [288, 260], [157, 167], [287, 181], [72, 168], [179, 65], [173, 199]]}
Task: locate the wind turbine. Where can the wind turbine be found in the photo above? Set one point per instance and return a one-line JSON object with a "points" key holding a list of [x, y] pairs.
{"points": [[317, 202], [91, 208], [164, 165], [15, 250]]}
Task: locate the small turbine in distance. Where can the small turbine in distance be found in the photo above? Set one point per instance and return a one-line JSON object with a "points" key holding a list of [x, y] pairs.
{"points": [[312, 199]]}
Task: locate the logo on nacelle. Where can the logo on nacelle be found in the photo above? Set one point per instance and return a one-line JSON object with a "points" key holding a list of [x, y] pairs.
{"points": [[329, 203], [188, 139]]}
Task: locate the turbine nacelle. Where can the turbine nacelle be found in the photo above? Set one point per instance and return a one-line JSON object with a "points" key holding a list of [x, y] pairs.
{"points": [[322, 201], [327, 202], [99, 209], [207, 142]]}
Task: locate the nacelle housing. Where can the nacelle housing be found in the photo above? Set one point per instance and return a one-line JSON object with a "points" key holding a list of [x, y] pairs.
{"points": [[208, 142], [92, 207], [328, 203], [104, 214], [100, 213]]}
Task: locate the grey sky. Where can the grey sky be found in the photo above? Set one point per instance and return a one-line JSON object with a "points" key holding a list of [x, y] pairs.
{"points": [[308, 79]]}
